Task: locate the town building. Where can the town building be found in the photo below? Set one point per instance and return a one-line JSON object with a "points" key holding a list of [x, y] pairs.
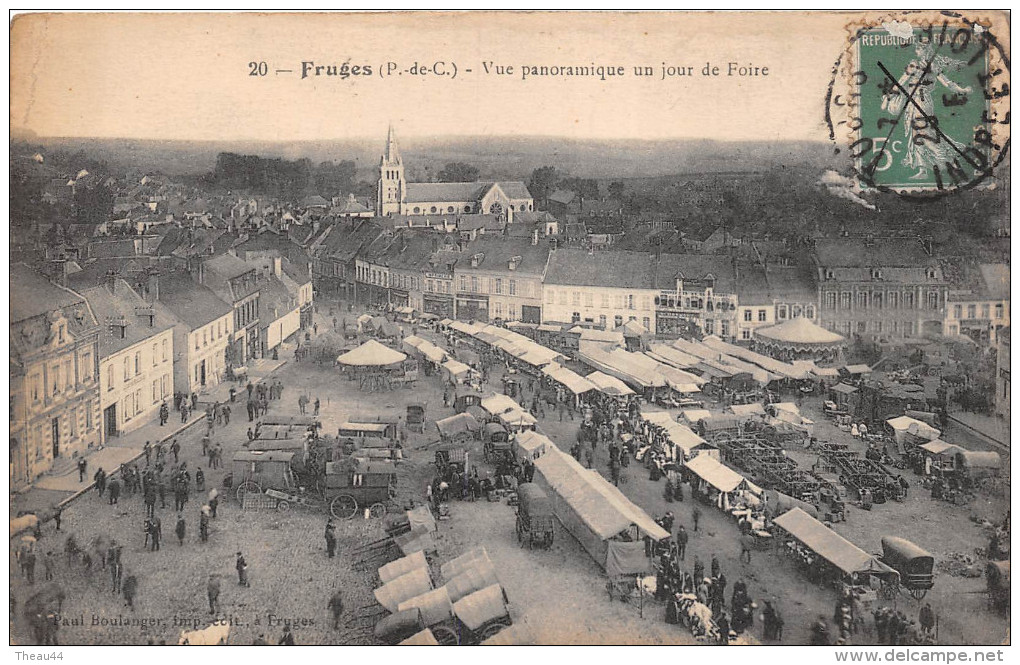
{"points": [[605, 289], [437, 283], [978, 302], [203, 326], [237, 283], [54, 376], [396, 196], [880, 288], [500, 279], [773, 293], [695, 293], [334, 256], [136, 356]]}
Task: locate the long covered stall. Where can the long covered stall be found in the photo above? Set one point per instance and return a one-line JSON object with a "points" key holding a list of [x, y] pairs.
{"points": [[425, 349], [907, 430], [825, 553], [572, 382], [609, 385], [635, 369], [690, 444], [531, 445], [707, 353], [589, 507], [779, 368], [719, 483]]}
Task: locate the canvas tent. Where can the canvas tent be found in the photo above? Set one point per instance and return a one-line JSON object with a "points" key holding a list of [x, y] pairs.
{"points": [[371, 354], [570, 380], [532, 445], [609, 385], [829, 545], [907, 429], [588, 506]]}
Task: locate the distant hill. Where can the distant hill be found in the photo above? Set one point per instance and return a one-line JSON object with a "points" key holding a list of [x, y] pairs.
{"points": [[496, 157]]}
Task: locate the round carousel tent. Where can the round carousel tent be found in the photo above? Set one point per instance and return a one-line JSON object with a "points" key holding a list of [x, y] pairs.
{"points": [[371, 354], [798, 339]]}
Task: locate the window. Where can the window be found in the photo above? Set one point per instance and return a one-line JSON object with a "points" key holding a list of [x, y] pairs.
{"points": [[589, 300], [632, 318], [127, 369], [762, 316], [809, 311], [432, 209], [605, 301], [908, 300], [796, 311], [602, 320], [630, 302], [109, 378], [138, 362], [550, 296], [463, 283], [957, 311], [417, 210], [162, 385], [862, 326], [878, 326], [830, 300], [862, 300], [709, 327], [499, 310], [745, 334], [34, 383], [876, 300], [986, 311], [513, 287], [86, 366], [576, 298], [197, 347], [933, 300], [449, 209], [219, 330], [781, 310], [829, 274], [155, 354], [876, 273], [155, 391], [647, 323], [747, 315], [164, 350], [474, 284], [998, 310], [68, 374], [844, 300], [618, 320], [575, 317], [908, 328], [725, 325], [930, 273], [563, 297]]}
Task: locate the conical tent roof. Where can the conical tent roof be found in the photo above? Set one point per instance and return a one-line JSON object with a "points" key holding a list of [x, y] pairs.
{"points": [[371, 354], [799, 331]]}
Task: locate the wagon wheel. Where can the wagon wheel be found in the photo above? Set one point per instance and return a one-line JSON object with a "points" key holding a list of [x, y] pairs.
{"points": [[446, 636], [282, 506], [343, 507], [377, 510], [918, 594], [492, 629], [247, 486]]}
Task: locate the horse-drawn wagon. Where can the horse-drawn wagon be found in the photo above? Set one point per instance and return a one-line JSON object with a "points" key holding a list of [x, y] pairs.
{"points": [[535, 517], [914, 565]]}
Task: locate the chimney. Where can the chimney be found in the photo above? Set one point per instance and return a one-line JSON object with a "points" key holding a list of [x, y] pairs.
{"points": [[534, 237], [111, 281], [277, 265], [152, 285]]}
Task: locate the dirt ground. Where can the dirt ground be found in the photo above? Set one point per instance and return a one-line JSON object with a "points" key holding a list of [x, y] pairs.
{"points": [[560, 593]]}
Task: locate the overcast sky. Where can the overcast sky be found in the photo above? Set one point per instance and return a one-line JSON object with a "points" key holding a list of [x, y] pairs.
{"points": [[188, 76]]}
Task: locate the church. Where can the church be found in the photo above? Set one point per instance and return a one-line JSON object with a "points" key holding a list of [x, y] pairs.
{"points": [[396, 196]]}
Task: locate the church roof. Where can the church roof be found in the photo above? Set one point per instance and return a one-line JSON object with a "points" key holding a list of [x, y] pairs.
{"points": [[428, 192]]}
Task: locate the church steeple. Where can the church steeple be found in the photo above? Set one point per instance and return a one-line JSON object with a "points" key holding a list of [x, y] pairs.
{"points": [[392, 154], [391, 190]]}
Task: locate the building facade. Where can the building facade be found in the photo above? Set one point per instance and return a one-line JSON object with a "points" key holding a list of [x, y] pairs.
{"points": [[500, 279], [880, 288], [54, 376], [979, 306], [1002, 379], [604, 290], [136, 357]]}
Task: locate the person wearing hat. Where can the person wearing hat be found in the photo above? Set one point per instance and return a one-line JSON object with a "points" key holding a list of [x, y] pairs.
{"points": [[287, 639], [242, 570], [213, 591]]}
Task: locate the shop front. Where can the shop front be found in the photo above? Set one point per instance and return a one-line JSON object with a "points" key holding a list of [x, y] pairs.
{"points": [[473, 308]]}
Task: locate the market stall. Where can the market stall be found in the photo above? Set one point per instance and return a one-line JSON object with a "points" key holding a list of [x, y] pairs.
{"points": [[799, 339], [374, 364]]}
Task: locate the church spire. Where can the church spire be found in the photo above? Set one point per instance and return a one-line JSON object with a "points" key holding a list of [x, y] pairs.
{"points": [[392, 154]]}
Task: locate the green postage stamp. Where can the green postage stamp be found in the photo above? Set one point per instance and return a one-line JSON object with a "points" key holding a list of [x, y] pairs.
{"points": [[924, 105]]}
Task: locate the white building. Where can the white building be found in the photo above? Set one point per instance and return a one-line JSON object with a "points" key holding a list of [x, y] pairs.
{"points": [[136, 356], [606, 289], [202, 328]]}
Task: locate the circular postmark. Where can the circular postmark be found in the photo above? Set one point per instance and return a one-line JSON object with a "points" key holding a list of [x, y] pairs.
{"points": [[919, 102]]}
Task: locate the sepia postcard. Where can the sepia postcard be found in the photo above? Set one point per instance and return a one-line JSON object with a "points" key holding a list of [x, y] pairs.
{"points": [[511, 328]]}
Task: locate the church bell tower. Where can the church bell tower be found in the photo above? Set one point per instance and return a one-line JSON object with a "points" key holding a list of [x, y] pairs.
{"points": [[390, 197]]}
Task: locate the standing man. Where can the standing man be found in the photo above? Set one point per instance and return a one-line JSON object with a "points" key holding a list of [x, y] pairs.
{"points": [[114, 491], [203, 527], [83, 466], [214, 501], [175, 448], [130, 590], [161, 489], [212, 589], [317, 405], [157, 533], [164, 414], [100, 479], [681, 541], [330, 539], [147, 449], [242, 571], [150, 500], [180, 529], [696, 515]]}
